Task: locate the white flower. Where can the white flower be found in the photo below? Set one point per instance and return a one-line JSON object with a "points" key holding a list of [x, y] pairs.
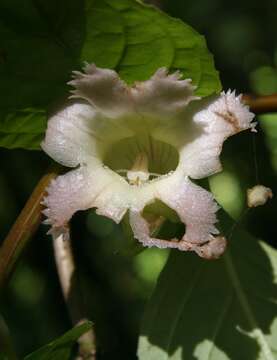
{"points": [[130, 146]]}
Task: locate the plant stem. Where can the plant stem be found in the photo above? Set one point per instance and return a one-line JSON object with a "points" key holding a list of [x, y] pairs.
{"points": [[72, 293], [23, 229], [261, 104], [16, 241]]}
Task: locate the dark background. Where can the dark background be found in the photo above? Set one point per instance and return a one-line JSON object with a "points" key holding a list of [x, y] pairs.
{"points": [[242, 36]]}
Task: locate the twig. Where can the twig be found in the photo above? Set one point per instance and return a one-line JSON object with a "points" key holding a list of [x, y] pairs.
{"points": [[71, 292], [261, 104], [23, 229]]}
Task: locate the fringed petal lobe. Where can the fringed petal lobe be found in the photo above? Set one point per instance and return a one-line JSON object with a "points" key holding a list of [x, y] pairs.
{"points": [[196, 209], [82, 189], [103, 89], [218, 118], [163, 93]]}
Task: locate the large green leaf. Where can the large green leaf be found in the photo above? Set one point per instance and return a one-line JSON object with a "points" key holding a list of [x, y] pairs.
{"points": [[136, 39], [60, 349], [217, 310], [43, 41]]}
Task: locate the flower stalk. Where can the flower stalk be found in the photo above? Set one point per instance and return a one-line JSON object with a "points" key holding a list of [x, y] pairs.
{"points": [[66, 269]]}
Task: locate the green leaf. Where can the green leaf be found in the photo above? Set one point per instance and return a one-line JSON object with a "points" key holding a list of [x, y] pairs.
{"points": [[23, 129], [136, 40], [43, 41], [60, 349], [216, 310]]}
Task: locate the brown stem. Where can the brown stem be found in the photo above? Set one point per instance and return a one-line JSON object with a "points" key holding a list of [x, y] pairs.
{"points": [[261, 104], [72, 292], [23, 229]]}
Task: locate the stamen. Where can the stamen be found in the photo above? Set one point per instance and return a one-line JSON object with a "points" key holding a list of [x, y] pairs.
{"points": [[121, 171], [139, 174], [141, 163], [124, 171]]}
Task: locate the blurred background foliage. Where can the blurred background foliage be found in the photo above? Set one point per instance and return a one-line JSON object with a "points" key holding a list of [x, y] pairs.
{"points": [[242, 36]]}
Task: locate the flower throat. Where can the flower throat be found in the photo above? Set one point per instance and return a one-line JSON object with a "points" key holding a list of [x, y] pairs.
{"points": [[141, 159]]}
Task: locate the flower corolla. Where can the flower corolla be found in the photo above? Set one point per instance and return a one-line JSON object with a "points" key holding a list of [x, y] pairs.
{"points": [[130, 146]]}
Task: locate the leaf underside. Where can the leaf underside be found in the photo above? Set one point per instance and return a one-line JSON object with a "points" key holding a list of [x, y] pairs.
{"points": [[42, 42], [217, 310]]}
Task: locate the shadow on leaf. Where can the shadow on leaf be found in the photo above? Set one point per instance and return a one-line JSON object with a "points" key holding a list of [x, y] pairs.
{"points": [[222, 309]]}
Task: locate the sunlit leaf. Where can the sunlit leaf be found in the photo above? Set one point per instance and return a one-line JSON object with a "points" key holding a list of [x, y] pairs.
{"points": [[60, 349], [43, 41], [217, 310]]}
